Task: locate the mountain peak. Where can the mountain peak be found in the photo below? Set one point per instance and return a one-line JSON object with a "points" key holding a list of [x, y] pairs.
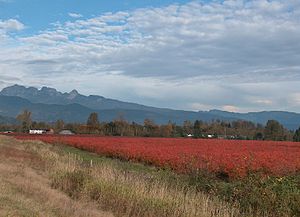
{"points": [[18, 90], [73, 94], [44, 95], [16, 86], [48, 89], [49, 92]]}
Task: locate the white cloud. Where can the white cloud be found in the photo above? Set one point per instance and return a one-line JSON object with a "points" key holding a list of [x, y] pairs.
{"points": [[11, 25], [198, 55], [75, 15], [264, 101], [231, 108]]}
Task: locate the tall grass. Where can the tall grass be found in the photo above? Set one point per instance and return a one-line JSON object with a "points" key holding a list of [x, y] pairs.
{"points": [[128, 193], [24, 183]]}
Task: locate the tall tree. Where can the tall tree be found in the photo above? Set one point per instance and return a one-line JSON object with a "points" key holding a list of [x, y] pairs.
{"points": [[274, 131], [25, 120], [151, 129], [93, 120], [197, 129], [187, 128], [122, 127], [166, 130], [296, 137], [93, 123]]}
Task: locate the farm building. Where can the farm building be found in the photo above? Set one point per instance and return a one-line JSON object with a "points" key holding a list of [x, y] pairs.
{"points": [[41, 131], [66, 132], [37, 131]]}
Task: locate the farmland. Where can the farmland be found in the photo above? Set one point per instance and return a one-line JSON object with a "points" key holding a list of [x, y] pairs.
{"points": [[232, 158], [39, 179], [242, 178]]}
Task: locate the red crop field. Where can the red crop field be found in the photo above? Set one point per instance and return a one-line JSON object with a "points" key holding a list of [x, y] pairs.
{"points": [[234, 157]]}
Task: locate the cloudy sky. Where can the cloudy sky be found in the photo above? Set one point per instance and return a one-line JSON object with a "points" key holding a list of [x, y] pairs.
{"points": [[235, 55]]}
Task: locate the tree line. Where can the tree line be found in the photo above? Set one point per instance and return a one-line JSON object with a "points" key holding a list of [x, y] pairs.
{"points": [[240, 129]]}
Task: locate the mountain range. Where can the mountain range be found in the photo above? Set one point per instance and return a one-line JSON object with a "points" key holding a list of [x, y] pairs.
{"points": [[48, 104], [7, 120]]}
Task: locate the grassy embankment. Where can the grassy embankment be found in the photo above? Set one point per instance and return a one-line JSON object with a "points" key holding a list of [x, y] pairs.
{"points": [[25, 185], [33, 175]]}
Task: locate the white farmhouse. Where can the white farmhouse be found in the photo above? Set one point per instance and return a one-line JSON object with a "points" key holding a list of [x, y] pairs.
{"points": [[37, 131]]}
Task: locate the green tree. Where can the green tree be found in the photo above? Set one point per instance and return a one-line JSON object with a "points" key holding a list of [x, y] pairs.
{"points": [[274, 131], [25, 119], [296, 137], [259, 136], [197, 129], [187, 128]]}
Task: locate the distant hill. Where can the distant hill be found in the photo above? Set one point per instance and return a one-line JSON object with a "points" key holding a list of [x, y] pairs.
{"points": [[7, 120], [48, 95], [12, 106], [290, 120], [48, 104]]}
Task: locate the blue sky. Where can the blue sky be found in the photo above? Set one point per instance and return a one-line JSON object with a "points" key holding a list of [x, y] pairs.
{"points": [[235, 55], [37, 14]]}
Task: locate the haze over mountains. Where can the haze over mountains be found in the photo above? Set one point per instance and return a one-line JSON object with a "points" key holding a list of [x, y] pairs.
{"points": [[49, 105]]}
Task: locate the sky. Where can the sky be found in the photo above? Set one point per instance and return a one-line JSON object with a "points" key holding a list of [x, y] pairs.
{"points": [[234, 55]]}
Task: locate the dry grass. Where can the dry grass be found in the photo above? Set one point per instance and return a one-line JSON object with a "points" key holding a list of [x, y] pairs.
{"points": [[25, 187], [140, 195]]}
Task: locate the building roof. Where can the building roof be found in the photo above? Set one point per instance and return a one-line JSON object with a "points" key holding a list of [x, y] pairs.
{"points": [[66, 132]]}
